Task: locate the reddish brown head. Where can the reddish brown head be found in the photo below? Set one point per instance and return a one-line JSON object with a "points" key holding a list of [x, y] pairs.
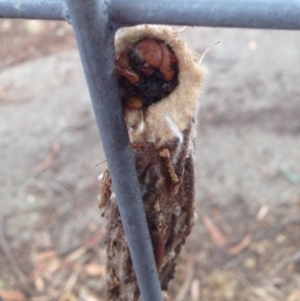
{"points": [[147, 72]]}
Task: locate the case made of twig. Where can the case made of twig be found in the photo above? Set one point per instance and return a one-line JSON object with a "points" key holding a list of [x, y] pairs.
{"points": [[162, 137]]}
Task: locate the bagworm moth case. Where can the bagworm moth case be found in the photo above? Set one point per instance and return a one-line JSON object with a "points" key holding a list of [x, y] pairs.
{"points": [[162, 138]]}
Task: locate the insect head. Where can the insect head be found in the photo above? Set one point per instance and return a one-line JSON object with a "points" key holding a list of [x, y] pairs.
{"points": [[146, 73]]}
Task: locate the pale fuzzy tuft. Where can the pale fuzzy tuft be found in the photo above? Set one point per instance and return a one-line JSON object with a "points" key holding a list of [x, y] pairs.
{"points": [[165, 120]]}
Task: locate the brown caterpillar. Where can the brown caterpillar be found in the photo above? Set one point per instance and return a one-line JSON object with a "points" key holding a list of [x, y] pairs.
{"points": [[162, 136]]}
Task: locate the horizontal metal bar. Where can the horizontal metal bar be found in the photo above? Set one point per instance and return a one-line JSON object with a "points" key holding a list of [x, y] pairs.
{"points": [[94, 34], [268, 14], [34, 9]]}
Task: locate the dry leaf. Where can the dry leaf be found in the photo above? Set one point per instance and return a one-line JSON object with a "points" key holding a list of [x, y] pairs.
{"points": [[240, 246], [294, 296], [217, 237], [195, 293], [39, 284], [91, 298], [68, 296], [262, 213], [94, 269], [43, 256], [95, 239], [220, 240], [48, 161], [86, 295], [182, 293], [75, 254], [50, 268], [73, 278], [41, 298], [12, 295]]}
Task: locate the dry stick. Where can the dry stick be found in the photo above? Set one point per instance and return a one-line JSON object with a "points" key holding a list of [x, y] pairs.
{"points": [[93, 240], [266, 233], [275, 229], [68, 294], [48, 161], [161, 136], [195, 291], [77, 201], [187, 283], [101, 163], [11, 260]]}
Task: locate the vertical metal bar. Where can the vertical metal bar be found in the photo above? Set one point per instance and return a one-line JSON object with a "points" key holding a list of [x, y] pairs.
{"points": [[95, 34]]}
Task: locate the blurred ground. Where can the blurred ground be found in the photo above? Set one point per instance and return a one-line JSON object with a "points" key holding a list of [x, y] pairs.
{"points": [[245, 245]]}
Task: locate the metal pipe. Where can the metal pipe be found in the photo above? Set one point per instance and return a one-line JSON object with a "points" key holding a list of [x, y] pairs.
{"points": [[269, 14], [33, 9], [95, 38]]}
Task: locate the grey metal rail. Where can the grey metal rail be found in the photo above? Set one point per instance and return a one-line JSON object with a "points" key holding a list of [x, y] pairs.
{"points": [[269, 14], [95, 38], [34, 9]]}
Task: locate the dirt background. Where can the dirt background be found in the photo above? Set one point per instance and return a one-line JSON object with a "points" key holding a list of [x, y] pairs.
{"points": [[245, 245]]}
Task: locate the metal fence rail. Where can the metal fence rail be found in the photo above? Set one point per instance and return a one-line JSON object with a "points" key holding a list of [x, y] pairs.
{"points": [[95, 22], [269, 14], [95, 33], [34, 9]]}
